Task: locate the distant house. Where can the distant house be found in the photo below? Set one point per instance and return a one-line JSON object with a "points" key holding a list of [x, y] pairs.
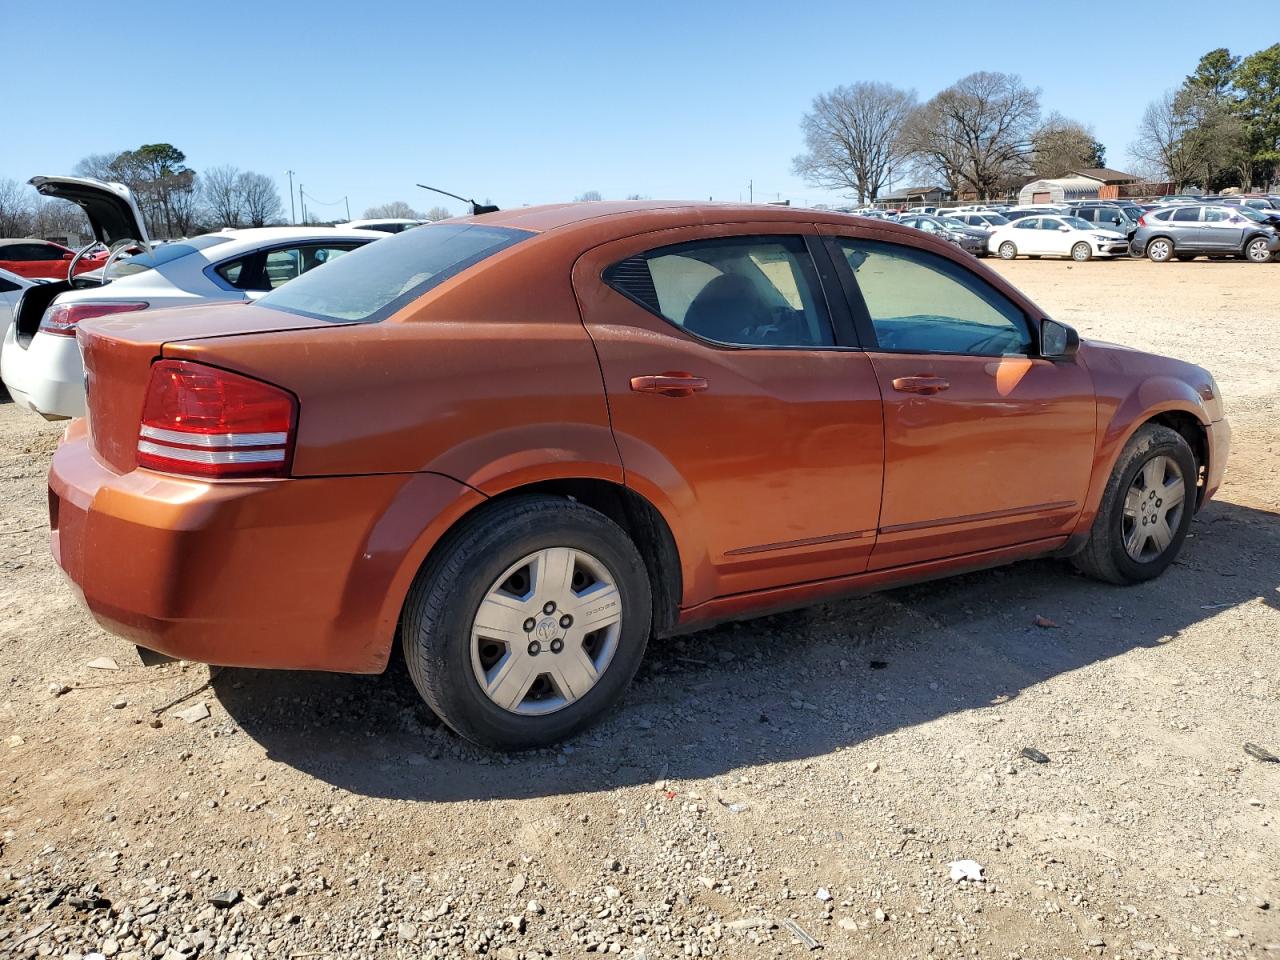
{"points": [[1090, 183], [914, 195]]}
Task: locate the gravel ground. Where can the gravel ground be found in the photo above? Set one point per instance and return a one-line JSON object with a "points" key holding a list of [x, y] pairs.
{"points": [[803, 776]]}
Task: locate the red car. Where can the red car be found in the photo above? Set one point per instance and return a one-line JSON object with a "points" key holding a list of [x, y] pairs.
{"points": [[43, 258]]}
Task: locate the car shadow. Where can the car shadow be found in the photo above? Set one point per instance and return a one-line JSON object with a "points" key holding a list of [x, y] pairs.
{"points": [[778, 688]]}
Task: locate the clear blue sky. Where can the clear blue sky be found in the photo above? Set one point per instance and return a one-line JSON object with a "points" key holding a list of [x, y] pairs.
{"points": [[536, 102]]}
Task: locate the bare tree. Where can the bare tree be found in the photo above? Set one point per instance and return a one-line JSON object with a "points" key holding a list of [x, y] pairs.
{"points": [[221, 188], [15, 209], [1160, 142], [977, 134], [396, 209], [262, 204], [100, 166], [591, 196], [1062, 145], [437, 213], [852, 138], [58, 218]]}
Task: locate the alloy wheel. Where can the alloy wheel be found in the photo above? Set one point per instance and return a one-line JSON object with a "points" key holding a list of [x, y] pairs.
{"points": [[1080, 252], [1160, 250], [546, 630], [1153, 509], [1008, 251], [1257, 251]]}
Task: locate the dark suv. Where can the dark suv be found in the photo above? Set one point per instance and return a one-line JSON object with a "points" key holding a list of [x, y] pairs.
{"points": [[1111, 216], [1191, 230]]}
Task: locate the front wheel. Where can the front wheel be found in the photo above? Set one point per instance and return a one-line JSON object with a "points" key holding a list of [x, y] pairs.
{"points": [[1008, 251], [528, 623], [1257, 250], [1159, 250], [1146, 509], [1081, 252]]}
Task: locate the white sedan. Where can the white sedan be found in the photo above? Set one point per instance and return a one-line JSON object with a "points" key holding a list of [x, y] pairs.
{"points": [[40, 361], [1056, 236]]}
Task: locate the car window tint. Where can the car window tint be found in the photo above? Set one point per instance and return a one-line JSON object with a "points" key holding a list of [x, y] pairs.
{"points": [[232, 272], [1162, 214], [1186, 215], [1050, 223], [1027, 223], [373, 282], [920, 302], [742, 291], [1216, 215]]}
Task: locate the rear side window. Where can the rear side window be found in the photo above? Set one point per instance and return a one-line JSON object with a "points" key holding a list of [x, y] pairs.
{"points": [[920, 302], [165, 253], [375, 281], [741, 291], [1186, 215]]}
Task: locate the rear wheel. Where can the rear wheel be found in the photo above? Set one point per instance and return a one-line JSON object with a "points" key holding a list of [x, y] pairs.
{"points": [[1081, 252], [1146, 509], [528, 623], [1160, 250], [1257, 250], [1008, 251]]}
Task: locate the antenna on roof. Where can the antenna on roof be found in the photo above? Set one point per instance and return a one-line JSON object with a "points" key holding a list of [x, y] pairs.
{"points": [[476, 208]]}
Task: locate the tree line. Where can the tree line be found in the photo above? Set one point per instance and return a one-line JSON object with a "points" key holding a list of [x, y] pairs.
{"points": [[985, 135], [1220, 128]]}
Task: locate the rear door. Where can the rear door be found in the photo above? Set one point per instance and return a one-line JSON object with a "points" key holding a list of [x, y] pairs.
{"points": [[737, 400], [1055, 236], [1027, 236], [987, 445], [1186, 228]]}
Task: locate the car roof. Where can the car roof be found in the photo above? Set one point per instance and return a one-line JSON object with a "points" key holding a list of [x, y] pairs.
{"points": [[9, 241]]}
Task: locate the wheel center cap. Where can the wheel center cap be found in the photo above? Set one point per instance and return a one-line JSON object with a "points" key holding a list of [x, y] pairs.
{"points": [[547, 629]]}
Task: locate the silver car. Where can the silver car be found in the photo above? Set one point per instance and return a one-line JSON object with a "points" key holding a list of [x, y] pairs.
{"points": [[1191, 230]]}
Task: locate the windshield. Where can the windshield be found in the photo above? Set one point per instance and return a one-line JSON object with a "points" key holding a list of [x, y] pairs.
{"points": [[373, 282], [995, 219], [1077, 222], [1249, 212], [165, 253]]}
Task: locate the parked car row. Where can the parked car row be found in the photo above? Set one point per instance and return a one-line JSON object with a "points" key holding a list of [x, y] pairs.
{"points": [[40, 361]]}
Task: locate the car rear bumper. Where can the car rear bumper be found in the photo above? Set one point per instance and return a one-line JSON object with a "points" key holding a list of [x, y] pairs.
{"points": [[45, 376], [300, 573]]}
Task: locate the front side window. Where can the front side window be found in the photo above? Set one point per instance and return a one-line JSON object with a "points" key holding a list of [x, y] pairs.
{"points": [[371, 283], [1216, 215], [920, 302], [740, 291]]}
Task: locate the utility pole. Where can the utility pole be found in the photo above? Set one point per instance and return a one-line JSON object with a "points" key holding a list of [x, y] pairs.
{"points": [[348, 203], [293, 214], [302, 202], [751, 191]]}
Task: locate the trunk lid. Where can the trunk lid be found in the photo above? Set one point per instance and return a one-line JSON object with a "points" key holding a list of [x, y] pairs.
{"points": [[113, 214], [118, 351]]}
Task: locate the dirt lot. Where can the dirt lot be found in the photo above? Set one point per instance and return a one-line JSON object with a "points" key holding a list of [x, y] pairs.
{"points": [[821, 768]]}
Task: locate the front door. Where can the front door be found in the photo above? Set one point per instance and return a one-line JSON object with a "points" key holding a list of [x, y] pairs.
{"points": [[1221, 229], [734, 403], [987, 445]]}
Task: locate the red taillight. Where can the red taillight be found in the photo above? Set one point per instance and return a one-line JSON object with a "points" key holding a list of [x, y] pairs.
{"points": [[207, 422], [1142, 220], [61, 318]]}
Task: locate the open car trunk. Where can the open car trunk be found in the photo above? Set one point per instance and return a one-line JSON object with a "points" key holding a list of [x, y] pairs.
{"points": [[113, 214], [31, 306]]}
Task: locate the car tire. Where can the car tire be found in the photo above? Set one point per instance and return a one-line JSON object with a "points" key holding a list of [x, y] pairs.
{"points": [[1081, 253], [1124, 544], [1160, 250], [1008, 251], [449, 656], [1257, 250]]}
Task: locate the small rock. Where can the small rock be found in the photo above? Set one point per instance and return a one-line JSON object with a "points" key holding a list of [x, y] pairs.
{"points": [[407, 931], [1262, 904], [748, 923], [155, 723], [1260, 753], [847, 923], [119, 703], [881, 916], [1097, 942], [1231, 933], [967, 870], [1031, 753], [58, 689], [225, 900], [1044, 623], [1144, 946], [535, 908], [517, 884], [823, 894], [873, 766], [14, 741], [110, 947], [612, 893], [193, 714], [102, 663]]}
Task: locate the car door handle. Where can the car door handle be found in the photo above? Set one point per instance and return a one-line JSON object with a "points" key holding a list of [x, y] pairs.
{"points": [[670, 384], [927, 385]]}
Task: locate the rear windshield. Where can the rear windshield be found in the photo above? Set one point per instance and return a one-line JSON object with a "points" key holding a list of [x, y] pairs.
{"points": [[375, 281], [164, 253]]}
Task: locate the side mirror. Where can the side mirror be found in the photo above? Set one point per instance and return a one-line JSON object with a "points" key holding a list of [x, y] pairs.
{"points": [[67, 256], [1057, 340]]}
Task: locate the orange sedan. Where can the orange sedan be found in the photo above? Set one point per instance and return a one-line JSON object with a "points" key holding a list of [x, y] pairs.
{"points": [[521, 444]]}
